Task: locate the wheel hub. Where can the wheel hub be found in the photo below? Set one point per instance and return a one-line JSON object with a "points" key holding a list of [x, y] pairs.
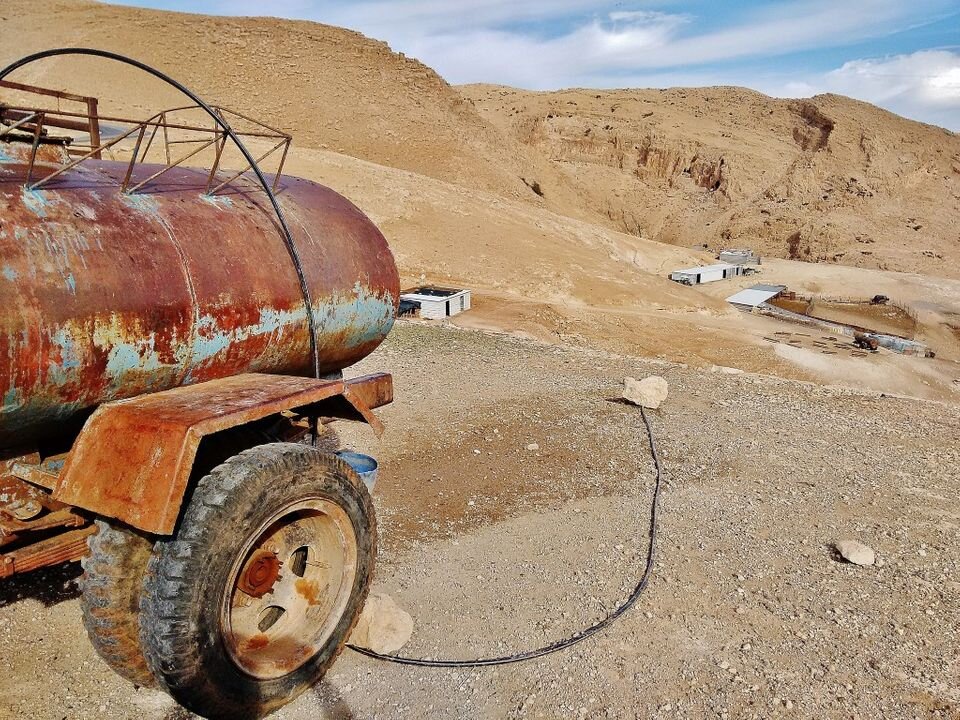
{"points": [[260, 573], [273, 623]]}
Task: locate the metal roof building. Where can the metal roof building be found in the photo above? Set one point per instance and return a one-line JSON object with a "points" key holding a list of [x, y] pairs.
{"points": [[756, 295]]}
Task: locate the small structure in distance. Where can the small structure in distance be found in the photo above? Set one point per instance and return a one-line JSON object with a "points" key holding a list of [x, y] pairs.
{"points": [[740, 256], [706, 273], [434, 303], [754, 296]]}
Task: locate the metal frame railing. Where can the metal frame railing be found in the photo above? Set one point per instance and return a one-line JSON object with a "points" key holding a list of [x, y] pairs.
{"points": [[38, 121]]}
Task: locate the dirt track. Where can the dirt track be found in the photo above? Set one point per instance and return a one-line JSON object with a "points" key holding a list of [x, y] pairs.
{"points": [[749, 614]]}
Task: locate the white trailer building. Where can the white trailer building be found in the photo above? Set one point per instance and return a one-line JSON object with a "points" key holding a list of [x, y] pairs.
{"points": [[706, 273], [435, 303]]}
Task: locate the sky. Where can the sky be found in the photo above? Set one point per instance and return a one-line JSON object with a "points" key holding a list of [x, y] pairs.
{"points": [[903, 55]]}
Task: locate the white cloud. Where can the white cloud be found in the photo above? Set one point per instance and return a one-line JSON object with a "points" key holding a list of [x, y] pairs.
{"points": [[599, 38], [549, 44], [924, 85]]}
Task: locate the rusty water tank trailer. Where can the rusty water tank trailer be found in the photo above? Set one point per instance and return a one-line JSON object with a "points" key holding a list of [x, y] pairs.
{"points": [[106, 295]]}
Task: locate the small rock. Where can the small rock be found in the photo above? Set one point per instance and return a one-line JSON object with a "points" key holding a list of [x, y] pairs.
{"points": [[532, 447], [649, 392], [726, 370], [856, 552], [383, 626]]}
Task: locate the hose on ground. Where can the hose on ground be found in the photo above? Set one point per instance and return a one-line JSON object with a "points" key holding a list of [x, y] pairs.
{"points": [[583, 634]]}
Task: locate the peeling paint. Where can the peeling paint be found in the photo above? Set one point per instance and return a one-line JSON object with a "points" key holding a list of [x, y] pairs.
{"points": [[221, 202], [36, 201], [356, 320], [143, 203], [123, 295], [11, 400]]}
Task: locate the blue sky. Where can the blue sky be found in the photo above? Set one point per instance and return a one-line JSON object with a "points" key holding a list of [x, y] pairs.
{"points": [[903, 55]]}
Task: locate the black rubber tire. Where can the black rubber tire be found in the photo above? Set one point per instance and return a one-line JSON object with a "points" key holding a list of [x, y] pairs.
{"points": [[111, 587], [189, 574]]}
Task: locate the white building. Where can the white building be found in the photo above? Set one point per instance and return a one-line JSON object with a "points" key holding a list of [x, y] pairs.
{"points": [[435, 303], [706, 273], [740, 256]]}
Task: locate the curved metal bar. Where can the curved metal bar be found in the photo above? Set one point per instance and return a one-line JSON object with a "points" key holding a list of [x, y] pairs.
{"points": [[287, 235]]}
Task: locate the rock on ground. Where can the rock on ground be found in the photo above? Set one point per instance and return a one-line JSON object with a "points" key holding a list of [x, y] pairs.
{"points": [[649, 392], [856, 552], [384, 626]]}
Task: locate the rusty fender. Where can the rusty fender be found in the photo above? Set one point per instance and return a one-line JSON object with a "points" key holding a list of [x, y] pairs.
{"points": [[133, 459]]}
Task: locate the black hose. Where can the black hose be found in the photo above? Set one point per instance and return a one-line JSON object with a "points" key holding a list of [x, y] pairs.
{"points": [[287, 235], [583, 634]]}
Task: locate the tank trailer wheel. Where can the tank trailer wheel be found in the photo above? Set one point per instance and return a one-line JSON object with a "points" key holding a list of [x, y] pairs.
{"points": [[254, 597], [111, 587]]}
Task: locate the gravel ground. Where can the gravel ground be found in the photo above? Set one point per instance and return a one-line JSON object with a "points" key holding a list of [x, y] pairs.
{"points": [[494, 547]]}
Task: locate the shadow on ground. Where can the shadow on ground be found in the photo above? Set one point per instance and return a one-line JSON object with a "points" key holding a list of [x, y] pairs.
{"points": [[50, 586]]}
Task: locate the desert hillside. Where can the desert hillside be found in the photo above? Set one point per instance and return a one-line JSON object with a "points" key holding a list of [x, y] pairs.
{"points": [[827, 179], [821, 180], [565, 212], [330, 87]]}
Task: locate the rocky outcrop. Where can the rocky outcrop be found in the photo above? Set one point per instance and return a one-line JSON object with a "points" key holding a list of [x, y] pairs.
{"points": [[813, 131]]}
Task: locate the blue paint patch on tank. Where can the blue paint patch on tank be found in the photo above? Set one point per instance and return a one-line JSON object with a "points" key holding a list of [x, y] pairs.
{"points": [[210, 340], [9, 273], [218, 201], [144, 203], [271, 322], [58, 372], [128, 357], [69, 357], [11, 400], [71, 282], [356, 320], [36, 201]]}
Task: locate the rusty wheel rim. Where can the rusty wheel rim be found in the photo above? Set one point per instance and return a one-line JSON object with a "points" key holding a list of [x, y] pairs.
{"points": [[289, 588]]}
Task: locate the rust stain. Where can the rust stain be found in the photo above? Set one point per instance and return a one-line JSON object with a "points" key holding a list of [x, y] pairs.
{"points": [[257, 642], [309, 590], [133, 459]]}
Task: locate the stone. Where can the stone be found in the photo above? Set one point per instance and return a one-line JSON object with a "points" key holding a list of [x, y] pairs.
{"points": [[649, 392], [383, 627], [726, 370], [532, 447], [856, 552]]}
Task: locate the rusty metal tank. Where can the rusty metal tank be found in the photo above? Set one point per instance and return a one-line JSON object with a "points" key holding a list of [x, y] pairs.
{"points": [[106, 295]]}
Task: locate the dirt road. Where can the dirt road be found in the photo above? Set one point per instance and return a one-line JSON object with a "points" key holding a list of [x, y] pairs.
{"points": [[494, 547]]}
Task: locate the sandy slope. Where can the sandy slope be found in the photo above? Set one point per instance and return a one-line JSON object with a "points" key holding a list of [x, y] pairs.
{"points": [[330, 87], [452, 181]]}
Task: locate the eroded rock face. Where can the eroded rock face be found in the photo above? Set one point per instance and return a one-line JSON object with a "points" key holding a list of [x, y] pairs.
{"points": [[813, 133], [383, 627]]}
